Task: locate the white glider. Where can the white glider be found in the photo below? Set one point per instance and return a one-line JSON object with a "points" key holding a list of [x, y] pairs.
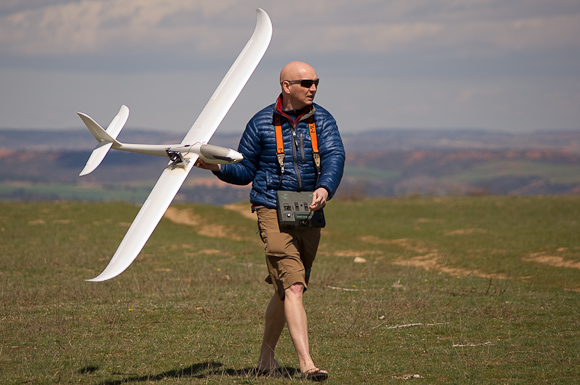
{"points": [[182, 156]]}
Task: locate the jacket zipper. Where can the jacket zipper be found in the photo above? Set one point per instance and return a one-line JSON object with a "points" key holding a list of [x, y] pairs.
{"points": [[294, 154]]}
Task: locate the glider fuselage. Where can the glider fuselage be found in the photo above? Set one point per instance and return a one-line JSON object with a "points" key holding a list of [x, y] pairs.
{"points": [[208, 152]]}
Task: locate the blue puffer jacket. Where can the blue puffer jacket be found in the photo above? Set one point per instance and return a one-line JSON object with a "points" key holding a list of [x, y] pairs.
{"points": [[260, 165]]}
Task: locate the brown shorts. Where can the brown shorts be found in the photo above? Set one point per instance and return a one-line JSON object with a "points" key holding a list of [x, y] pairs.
{"points": [[290, 252]]}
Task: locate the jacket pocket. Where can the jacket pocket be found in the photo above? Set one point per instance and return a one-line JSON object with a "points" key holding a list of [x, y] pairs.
{"points": [[272, 181]]}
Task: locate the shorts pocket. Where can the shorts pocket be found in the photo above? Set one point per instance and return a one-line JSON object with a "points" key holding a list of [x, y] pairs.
{"points": [[276, 244]]}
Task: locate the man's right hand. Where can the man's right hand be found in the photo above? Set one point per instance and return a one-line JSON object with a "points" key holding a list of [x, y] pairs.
{"points": [[207, 166]]}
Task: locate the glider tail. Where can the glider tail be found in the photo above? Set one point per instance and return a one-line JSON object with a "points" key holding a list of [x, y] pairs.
{"points": [[106, 138]]}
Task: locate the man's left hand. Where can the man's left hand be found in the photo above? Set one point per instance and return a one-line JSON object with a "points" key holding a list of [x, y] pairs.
{"points": [[319, 197]]}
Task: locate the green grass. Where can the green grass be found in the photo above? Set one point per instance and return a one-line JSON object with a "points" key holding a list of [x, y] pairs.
{"points": [[478, 290]]}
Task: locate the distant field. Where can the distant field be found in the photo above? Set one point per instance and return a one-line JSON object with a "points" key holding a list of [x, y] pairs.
{"points": [[130, 191], [553, 173], [409, 165], [70, 191], [478, 290], [367, 173]]}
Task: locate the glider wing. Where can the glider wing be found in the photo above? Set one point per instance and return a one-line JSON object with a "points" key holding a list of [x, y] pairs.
{"points": [[232, 84], [146, 221], [202, 130]]}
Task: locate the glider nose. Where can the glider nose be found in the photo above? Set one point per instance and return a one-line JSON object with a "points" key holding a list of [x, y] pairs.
{"points": [[217, 154], [235, 156]]}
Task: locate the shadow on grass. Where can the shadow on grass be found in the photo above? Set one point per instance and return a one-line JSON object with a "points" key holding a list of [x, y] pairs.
{"points": [[199, 371]]}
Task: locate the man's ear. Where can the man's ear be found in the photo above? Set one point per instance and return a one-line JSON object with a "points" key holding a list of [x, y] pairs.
{"points": [[285, 87]]}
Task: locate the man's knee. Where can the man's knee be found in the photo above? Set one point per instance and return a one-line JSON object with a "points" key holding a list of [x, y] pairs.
{"points": [[295, 290]]}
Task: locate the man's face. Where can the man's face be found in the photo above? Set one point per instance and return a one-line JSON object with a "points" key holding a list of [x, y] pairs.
{"points": [[298, 93]]}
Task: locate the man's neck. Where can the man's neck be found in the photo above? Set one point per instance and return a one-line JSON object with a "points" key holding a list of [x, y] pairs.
{"points": [[288, 106]]}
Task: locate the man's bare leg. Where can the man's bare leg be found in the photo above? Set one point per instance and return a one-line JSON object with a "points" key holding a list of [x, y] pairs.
{"points": [[274, 325], [297, 325]]}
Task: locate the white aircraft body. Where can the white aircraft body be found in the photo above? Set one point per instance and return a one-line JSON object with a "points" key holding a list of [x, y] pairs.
{"points": [[182, 156]]}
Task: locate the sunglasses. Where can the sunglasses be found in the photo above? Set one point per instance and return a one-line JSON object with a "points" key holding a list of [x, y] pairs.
{"points": [[306, 83]]}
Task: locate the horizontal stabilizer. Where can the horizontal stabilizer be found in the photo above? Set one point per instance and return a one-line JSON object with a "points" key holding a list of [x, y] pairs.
{"points": [[96, 157], [106, 138]]}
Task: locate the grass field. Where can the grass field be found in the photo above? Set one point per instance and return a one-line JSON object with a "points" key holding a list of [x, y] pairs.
{"points": [[478, 290]]}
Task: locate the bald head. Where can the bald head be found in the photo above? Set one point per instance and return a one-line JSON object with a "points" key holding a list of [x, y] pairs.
{"points": [[297, 70], [294, 95]]}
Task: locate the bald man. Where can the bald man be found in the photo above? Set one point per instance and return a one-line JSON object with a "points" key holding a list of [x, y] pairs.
{"points": [[290, 251]]}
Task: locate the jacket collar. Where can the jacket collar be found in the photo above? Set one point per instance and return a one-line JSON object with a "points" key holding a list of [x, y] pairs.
{"points": [[305, 113]]}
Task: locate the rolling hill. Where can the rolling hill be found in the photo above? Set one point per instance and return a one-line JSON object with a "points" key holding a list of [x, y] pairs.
{"points": [[40, 165]]}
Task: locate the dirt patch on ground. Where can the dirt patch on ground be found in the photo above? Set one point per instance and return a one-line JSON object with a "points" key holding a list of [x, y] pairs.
{"points": [[211, 252], [466, 232], [241, 208], [189, 218], [552, 260], [350, 253], [183, 217], [429, 220], [432, 262], [180, 247], [405, 243], [430, 259]]}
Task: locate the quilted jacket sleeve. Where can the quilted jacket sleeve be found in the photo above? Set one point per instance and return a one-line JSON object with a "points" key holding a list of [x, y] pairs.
{"points": [[332, 153], [244, 172]]}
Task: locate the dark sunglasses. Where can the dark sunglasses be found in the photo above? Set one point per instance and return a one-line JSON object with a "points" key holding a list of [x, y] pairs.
{"points": [[306, 83]]}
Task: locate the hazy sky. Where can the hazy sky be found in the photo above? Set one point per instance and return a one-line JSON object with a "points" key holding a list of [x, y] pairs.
{"points": [[495, 64]]}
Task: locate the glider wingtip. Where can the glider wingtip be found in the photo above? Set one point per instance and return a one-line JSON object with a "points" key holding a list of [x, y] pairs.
{"points": [[88, 169], [96, 279], [100, 278], [261, 13]]}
